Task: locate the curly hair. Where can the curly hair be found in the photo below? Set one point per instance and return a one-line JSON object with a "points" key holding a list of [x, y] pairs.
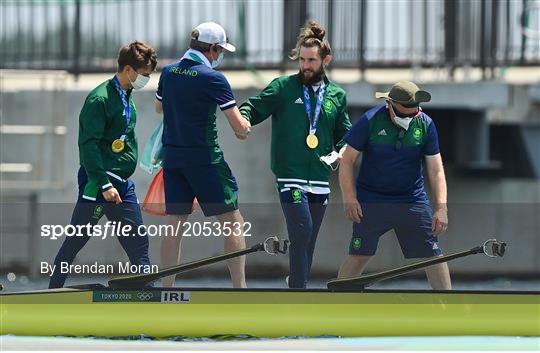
{"points": [[137, 55], [312, 36]]}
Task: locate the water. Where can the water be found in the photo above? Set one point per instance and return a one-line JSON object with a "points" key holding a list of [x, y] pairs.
{"points": [[467, 343]]}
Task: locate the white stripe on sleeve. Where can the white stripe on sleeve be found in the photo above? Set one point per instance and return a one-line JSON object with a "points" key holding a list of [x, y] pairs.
{"points": [[223, 106]]}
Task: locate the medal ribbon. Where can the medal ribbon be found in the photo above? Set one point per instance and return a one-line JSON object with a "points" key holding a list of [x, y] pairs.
{"points": [[125, 103], [307, 103]]}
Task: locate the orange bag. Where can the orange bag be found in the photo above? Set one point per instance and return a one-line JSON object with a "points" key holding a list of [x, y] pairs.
{"points": [[154, 202]]}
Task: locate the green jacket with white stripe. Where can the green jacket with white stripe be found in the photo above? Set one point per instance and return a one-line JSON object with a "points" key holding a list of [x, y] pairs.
{"points": [[101, 121], [293, 162]]}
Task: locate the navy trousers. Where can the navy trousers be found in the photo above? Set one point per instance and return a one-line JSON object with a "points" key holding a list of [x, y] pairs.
{"points": [[304, 212], [86, 211]]}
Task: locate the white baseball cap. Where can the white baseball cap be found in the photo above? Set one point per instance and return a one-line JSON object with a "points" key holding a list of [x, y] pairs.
{"points": [[212, 33]]}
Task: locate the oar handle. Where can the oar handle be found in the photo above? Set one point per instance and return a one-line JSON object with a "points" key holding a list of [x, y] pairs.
{"points": [[274, 246], [494, 248]]}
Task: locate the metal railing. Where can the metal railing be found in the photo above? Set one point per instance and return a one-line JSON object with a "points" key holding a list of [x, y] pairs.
{"points": [[85, 35]]}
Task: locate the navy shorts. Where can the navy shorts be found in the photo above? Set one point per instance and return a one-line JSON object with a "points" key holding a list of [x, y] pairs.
{"points": [[411, 222], [213, 185]]}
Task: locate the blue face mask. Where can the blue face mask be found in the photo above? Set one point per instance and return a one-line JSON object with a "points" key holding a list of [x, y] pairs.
{"points": [[218, 61]]}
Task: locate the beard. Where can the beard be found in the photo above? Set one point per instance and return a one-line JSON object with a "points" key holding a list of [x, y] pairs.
{"points": [[314, 77]]}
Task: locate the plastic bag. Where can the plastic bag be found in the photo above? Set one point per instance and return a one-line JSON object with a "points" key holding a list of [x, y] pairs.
{"points": [[152, 156], [154, 201]]}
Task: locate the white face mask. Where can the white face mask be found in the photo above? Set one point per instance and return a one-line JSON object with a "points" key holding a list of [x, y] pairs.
{"points": [[139, 82], [329, 159], [218, 61], [403, 122]]}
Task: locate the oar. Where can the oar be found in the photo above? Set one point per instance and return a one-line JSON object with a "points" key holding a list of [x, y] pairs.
{"points": [[271, 245], [491, 248]]}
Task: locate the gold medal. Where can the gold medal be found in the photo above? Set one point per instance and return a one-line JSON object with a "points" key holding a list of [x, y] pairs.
{"points": [[312, 141], [117, 146]]}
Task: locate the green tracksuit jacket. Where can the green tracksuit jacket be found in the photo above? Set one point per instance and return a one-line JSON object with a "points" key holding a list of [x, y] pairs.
{"points": [[101, 121], [292, 160]]}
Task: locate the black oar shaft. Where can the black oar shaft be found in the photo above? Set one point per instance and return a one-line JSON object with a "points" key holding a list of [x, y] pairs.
{"points": [[142, 280], [364, 281]]}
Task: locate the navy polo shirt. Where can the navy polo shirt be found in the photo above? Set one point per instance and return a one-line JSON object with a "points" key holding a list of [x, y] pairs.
{"points": [[190, 92], [392, 166]]}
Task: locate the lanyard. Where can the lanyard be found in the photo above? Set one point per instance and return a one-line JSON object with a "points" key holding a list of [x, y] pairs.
{"points": [[196, 56], [125, 103], [307, 103]]}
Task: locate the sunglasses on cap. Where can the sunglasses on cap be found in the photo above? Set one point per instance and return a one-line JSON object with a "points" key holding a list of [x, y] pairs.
{"points": [[410, 105]]}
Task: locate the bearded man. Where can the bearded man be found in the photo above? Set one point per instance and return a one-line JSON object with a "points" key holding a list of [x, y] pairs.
{"points": [[309, 120]]}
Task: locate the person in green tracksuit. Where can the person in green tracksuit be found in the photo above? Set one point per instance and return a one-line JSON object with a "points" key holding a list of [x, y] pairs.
{"points": [[108, 157], [309, 120]]}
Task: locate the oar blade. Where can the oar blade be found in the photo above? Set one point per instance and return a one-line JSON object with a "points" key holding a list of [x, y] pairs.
{"points": [[344, 284]]}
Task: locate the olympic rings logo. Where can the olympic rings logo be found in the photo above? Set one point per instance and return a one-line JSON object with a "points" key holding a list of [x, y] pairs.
{"points": [[145, 296]]}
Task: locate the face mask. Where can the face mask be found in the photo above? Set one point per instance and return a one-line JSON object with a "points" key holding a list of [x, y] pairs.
{"points": [[139, 82], [403, 122], [329, 160], [218, 61]]}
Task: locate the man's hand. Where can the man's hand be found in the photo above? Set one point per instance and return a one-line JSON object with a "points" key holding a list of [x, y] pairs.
{"points": [[239, 124], [440, 221], [240, 137], [353, 210], [435, 172], [112, 195]]}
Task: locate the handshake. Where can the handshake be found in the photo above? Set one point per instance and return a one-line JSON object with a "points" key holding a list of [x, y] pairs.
{"points": [[239, 124], [243, 133]]}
